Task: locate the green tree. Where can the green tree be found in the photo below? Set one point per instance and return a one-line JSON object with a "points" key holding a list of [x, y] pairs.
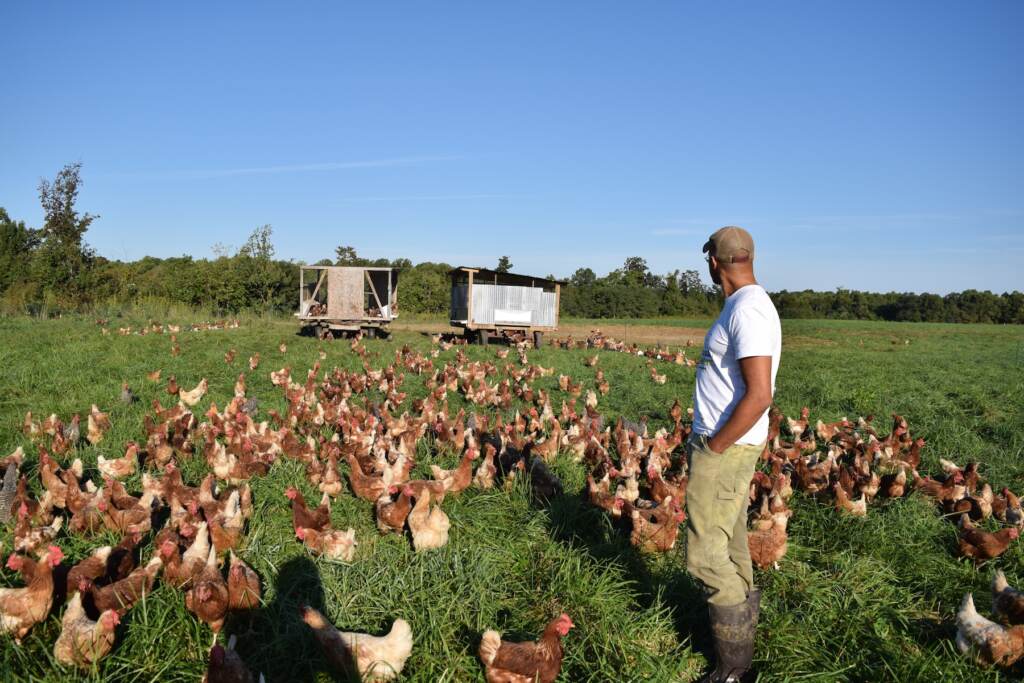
{"points": [[16, 245], [583, 277], [1012, 308], [346, 256], [635, 273], [504, 264], [257, 255], [425, 288], [672, 300], [259, 245], [691, 285], [63, 259]]}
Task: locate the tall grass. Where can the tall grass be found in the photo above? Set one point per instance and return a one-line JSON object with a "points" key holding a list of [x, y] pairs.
{"points": [[855, 599]]}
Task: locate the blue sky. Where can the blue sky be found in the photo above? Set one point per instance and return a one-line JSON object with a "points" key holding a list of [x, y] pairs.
{"points": [[867, 145]]}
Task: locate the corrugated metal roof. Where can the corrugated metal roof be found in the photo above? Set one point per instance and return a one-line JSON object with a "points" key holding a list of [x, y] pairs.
{"points": [[488, 272]]}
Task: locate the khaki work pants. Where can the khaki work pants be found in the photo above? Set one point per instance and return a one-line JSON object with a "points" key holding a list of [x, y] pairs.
{"points": [[717, 553]]}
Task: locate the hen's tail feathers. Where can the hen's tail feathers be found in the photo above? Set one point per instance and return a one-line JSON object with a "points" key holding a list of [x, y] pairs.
{"points": [[999, 583], [972, 628], [948, 466], [490, 643], [313, 617]]}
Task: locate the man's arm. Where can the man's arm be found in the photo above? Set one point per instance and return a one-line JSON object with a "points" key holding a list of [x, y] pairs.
{"points": [[757, 373]]}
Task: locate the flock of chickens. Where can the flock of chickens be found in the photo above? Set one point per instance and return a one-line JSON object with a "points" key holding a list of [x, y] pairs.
{"points": [[158, 328], [858, 466], [194, 551], [344, 426], [598, 340]]}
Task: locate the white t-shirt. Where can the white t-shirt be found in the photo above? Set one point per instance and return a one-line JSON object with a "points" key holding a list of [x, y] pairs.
{"points": [[748, 326]]}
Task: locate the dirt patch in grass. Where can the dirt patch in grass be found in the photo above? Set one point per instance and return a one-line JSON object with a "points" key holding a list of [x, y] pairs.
{"points": [[799, 341], [642, 334]]}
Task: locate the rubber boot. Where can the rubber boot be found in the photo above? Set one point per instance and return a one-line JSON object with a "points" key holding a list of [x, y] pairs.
{"points": [[754, 605], [732, 629]]}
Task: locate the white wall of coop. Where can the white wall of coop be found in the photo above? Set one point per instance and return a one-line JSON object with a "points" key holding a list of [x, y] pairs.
{"points": [[506, 304]]}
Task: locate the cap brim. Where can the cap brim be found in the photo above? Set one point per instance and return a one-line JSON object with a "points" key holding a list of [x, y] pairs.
{"points": [[708, 246]]}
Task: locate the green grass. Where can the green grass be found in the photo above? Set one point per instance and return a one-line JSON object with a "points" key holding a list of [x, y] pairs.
{"points": [[855, 599]]}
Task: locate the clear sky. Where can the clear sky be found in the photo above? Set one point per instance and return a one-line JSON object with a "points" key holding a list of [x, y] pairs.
{"points": [[869, 145]]}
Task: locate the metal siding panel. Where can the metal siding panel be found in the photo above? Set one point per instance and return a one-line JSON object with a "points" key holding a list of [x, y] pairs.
{"points": [[483, 304], [548, 308], [503, 298], [488, 298], [537, 305]]}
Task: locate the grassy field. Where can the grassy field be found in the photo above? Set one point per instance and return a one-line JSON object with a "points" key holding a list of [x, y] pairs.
{"points": [[855, 599]]}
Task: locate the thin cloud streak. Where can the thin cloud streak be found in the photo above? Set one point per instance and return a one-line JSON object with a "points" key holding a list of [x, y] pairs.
{"points": [[974, 250], [426, 198], [679, 232], [324, 166], [888, 217]]}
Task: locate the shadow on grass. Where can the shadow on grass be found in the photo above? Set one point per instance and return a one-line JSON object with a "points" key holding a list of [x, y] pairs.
{"points": [[280, 645], [574, 521]]}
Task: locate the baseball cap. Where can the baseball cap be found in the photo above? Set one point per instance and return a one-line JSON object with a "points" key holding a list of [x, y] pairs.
{"points": [[730, 244]]}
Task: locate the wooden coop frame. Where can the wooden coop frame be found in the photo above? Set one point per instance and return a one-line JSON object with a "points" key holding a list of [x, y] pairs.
{"points": [[487, 303], [348, 298]]}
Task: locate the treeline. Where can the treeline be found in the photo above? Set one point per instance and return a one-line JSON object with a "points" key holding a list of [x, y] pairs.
{"points": [[633, 291], [52, 270], [248, 280], [970, 306]]}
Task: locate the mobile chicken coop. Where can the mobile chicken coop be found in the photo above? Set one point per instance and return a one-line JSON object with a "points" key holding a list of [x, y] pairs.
{"points": [[487, 303], [341, 299]]}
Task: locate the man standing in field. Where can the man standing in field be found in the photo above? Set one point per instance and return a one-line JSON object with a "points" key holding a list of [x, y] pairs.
{"points": [[734, 389]]}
